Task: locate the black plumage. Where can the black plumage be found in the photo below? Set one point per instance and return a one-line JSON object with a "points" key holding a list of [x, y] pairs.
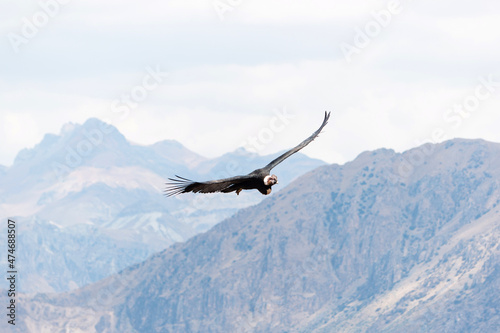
{"points": [[259, 179]]}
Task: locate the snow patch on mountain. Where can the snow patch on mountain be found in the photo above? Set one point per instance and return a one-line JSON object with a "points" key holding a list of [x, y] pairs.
{"points": [[89, 186]]}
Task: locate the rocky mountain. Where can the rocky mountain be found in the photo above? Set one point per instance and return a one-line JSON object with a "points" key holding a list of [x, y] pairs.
{"points": [[89, 203], [389, 242]]}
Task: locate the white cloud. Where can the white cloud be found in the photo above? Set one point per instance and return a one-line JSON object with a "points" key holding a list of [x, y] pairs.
{"points": [[227, 77], [303, 12], [17, 131]]}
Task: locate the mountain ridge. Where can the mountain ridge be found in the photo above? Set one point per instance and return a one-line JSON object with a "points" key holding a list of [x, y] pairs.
{"points": [[92, 183], [353, 247]]}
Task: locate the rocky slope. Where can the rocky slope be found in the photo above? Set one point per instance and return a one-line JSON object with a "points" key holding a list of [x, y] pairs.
{"points": [[387, 243], [89, 203]]}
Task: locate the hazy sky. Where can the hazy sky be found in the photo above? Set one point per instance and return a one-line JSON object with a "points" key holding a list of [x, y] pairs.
{"points": [[215, 74]]}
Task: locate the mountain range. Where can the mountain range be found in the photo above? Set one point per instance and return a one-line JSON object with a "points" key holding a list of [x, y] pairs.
{"points": [[89, 203], [390, 242]]}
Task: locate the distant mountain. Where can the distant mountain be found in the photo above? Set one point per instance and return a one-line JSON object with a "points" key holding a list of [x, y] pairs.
{"points": [[174, 152], [387, 243], [90, 203]]}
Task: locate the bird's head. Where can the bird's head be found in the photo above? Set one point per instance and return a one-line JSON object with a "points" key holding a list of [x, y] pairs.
{"points": [[270, 180]]}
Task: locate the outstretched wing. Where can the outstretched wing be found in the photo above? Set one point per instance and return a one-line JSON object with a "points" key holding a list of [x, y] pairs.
{"points": [[292, 151], [182, 185]]}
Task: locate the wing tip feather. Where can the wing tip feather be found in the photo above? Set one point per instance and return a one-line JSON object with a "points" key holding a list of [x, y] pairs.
{"points": [[177, 186]]}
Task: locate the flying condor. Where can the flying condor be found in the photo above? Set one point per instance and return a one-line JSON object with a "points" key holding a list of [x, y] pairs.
{"points": [[259, 179]]}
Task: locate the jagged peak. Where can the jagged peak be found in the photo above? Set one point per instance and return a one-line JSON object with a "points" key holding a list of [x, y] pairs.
{"points": [[68, 128], [242, 151], [90, 124], [104, 127], [94, 122], [169, 143]]}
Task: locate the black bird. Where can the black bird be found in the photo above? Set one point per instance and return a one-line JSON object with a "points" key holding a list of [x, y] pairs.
{"points": [[259, 179]]}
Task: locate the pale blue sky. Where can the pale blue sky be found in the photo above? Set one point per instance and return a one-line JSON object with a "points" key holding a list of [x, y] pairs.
{"points": [[229, 71]]}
